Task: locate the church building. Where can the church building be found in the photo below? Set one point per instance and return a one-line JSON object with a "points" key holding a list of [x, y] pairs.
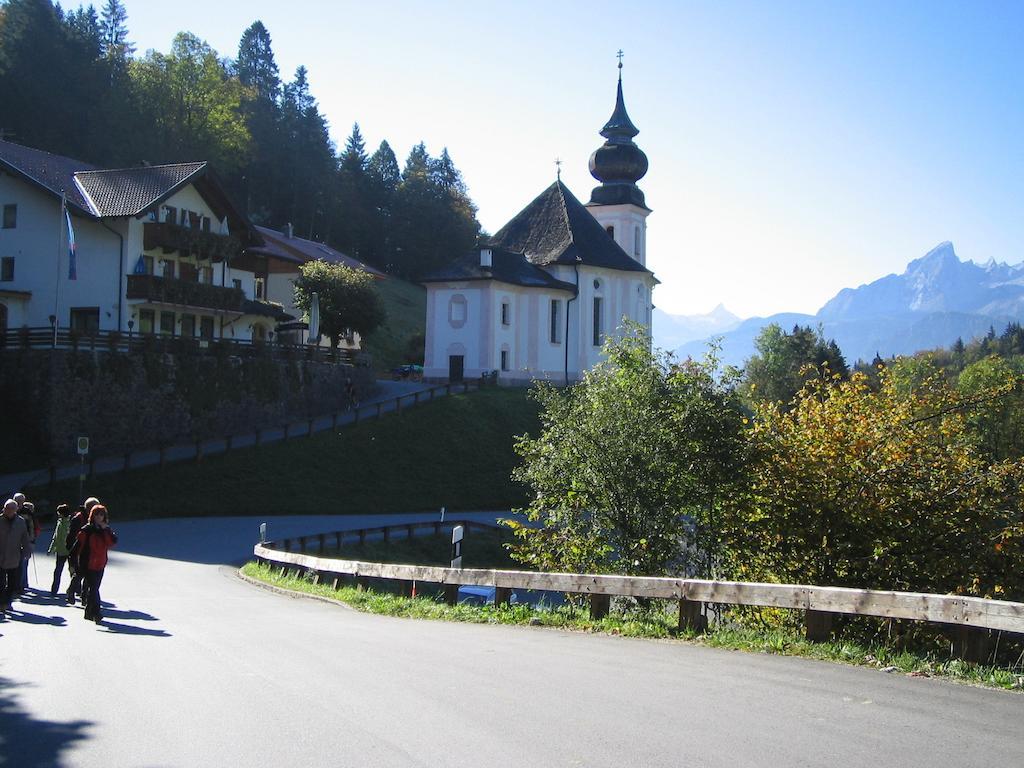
{"points": [[538, 300]]}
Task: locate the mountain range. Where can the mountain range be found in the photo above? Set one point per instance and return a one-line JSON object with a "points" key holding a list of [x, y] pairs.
{"points": [[936, 300]]}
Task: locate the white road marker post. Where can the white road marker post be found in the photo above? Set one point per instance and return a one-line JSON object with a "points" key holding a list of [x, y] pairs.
{"points": [[263, 533], [457, 534]]}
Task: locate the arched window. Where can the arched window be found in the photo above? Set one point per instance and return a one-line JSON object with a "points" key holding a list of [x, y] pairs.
{"points": [[457, 311], [610, 230]]}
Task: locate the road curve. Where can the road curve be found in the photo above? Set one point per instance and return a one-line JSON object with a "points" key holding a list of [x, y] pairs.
{"points": [[197, 668]]}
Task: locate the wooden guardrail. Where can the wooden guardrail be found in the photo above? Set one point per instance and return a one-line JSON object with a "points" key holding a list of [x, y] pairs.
{"points": [[819, 603]]}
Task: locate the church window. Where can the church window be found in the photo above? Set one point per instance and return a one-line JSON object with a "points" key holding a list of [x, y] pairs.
{"points": [[555, 331], [506, 313], [610, 230], [457, 311], [636, 241], [504, 359], [7, 269], [10, 216], [598, 324]]}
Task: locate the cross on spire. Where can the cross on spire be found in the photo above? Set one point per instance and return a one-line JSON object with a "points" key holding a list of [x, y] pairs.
{"points": [[558, 168], [619, 55]]}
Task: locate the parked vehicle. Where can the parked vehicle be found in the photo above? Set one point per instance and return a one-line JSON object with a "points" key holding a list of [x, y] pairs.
{"points": [[408, 372]]}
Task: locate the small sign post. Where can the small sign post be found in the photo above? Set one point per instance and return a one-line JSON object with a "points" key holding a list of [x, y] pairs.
{"points": [[457, 546], [83, 450]]}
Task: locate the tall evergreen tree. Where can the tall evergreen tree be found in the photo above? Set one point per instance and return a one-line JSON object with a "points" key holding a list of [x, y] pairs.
{"points": [[114, 32], [266, 165]]}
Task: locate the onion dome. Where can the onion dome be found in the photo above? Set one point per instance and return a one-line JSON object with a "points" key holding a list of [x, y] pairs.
{"points": [[619, 163]]}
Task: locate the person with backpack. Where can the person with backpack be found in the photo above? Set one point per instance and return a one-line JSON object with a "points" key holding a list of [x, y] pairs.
{"points": [[59, 545], [78, 522], [13, 545], [92, 545]]}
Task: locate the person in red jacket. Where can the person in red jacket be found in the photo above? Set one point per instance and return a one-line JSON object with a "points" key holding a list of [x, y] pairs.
{"points": [[94, 540]]}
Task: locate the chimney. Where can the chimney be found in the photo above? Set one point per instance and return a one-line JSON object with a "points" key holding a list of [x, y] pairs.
{"points": [[289, 231], [485, 258]]}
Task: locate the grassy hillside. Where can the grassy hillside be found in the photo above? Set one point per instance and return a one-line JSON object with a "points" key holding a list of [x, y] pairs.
{"points": [[406, 305], [455, 452]]}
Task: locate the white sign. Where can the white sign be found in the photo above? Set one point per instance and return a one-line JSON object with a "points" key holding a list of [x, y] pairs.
{"points": [[83, 446]]}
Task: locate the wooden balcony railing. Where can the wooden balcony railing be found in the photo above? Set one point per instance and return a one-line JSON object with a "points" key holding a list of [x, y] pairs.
{"points": [[206, 245], [168, 290]]}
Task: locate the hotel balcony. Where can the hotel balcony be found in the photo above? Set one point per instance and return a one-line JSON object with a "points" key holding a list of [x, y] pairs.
{"points": [[194, 241], [166, 290]]}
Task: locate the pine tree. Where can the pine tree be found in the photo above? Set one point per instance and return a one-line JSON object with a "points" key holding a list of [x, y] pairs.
{"points": [[353, 159], [256, 66], [114, 31]]}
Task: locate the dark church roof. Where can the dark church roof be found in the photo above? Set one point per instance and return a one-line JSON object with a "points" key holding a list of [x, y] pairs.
{"points": [[556, 229], [506, 267]]}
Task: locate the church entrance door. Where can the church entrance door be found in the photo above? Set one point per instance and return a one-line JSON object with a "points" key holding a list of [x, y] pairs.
{"points": [[456, 368]]}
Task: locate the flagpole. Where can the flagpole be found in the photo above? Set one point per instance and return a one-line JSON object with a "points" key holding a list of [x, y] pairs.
{"points": [[60, 245]]}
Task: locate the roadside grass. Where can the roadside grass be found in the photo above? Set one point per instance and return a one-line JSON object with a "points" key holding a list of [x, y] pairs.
{"points": [[658, 622], [455, 452]]}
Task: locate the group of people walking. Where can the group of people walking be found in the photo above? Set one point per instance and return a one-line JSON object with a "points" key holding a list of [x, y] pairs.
{"points": [[80, 540]]}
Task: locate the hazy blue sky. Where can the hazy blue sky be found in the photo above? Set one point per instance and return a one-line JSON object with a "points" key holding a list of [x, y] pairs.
{"points": [[795, 147]]}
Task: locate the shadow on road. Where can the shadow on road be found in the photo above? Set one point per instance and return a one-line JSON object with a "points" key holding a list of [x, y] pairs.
{"points": [[139, 615], [128, 629], [17, 613], [30, 741]]}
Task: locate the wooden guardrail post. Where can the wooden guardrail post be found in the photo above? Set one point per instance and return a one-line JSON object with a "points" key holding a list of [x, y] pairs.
{"points": [[691, 615], [362, 583], [323, 542], [502, 595], [599, 606], [337, 539], [817, 626], [451, 594], [972, 644]]}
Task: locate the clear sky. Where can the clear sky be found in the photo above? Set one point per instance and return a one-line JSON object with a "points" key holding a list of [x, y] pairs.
{"points": [[795, 148]]}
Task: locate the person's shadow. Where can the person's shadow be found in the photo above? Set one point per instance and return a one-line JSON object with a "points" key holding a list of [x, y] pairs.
{"points": [[127, 629], [17, 614], [28, 740]]}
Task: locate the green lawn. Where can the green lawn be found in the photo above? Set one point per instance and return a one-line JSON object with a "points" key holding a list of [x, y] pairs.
{"points": [[455, 452], [406, 305]]}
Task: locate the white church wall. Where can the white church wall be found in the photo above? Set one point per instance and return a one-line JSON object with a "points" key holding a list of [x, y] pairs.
{"points": [[455, 325]]}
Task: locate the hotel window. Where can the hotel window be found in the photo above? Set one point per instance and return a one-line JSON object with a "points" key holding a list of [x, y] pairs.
{"points": [[504, 359], [506, 313], [85, 319], [555, 331], [188, 326], [188, 272], [237, 282], [206, 275], [206, 327], [260, 288], [169, 214], [7, 269], [146, 320], [10, 216], [167, 323], [167, 270], [598, 324], [147, 265]]}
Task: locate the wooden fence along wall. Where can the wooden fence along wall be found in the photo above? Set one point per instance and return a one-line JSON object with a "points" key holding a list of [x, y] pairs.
{"points": [[820, 604]]}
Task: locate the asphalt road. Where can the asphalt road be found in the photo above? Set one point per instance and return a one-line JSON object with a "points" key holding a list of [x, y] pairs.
{"points": [[197, 668]]}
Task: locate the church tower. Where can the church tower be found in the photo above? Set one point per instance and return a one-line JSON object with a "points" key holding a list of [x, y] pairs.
{"points": [[618, 204]]}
